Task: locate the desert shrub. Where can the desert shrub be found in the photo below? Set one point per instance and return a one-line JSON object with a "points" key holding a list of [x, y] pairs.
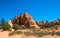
{"points": [[36, 33], [51, 33], [12, 33], [47, 25], [42, 26], [19, 27], [39, 33], [56, 27], [6, 27], [15, 32], [42, 33], [32, 28], [57, 33], [16, 27], [24, 27], [27, 33], [0, 27]]}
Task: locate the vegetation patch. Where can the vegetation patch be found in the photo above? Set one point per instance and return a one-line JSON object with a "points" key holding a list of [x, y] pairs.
{"points": [[15, 33]]}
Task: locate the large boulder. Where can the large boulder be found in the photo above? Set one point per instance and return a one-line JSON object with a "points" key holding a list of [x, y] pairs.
{"points": [[24, 19]]}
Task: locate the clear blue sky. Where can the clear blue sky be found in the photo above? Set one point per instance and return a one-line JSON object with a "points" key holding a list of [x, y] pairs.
{"points": [[38, 9]]}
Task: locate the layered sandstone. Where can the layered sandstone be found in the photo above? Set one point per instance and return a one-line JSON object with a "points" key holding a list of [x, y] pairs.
{"points": [[24, 19]]}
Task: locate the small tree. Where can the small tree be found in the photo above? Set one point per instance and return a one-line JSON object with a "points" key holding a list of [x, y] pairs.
{"points": [[2, 21]]}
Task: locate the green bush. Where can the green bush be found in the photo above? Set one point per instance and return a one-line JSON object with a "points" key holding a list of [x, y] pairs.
{"points": [[27, 33], [12, 33], [35, 33], [15, 32], [58, 33], [16, 27], [1, 27], [6, 27], [48, 25]]}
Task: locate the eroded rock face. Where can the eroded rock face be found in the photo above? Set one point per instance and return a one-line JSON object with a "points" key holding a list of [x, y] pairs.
{"points": [[24, 19], [57, 22], [10, 23]]}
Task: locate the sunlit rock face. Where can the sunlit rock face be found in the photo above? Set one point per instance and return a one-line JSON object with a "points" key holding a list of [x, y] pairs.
{"points": [[24, 19], [10, 23]]}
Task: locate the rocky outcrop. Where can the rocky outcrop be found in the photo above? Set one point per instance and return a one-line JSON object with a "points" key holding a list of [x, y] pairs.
{"points": [[24, 19], [56, 22], [10, 23]]}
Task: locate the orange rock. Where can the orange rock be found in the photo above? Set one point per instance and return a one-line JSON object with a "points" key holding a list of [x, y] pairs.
{"points": [[24, 19]]}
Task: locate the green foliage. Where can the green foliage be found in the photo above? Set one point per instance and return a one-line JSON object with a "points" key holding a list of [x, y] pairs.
{"points": [[42, 26], [16, 27], [58, 33], [15, 32], [31, 28], [27, 33], [47, 25], [6, 27], [3, 21], [19, 27], [1, 27], [56, 27]]}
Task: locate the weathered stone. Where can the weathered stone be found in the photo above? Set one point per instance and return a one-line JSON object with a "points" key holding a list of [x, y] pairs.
{"points": [[10, 23], [56, 22], [24, 19]]}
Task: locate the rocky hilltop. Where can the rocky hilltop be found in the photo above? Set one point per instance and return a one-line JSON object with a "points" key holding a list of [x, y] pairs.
{"points": [[24, 19]]}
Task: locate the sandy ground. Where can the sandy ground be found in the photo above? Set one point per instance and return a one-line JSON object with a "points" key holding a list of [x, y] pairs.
{"points": [[4, 34]]}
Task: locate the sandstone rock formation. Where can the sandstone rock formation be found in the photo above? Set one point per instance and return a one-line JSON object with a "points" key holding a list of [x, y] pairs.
{"points": [[24, 19], [56, 22], [10, 23]]}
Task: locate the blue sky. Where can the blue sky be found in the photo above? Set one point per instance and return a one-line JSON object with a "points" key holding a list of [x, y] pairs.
{"points": [[38, 9]]}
